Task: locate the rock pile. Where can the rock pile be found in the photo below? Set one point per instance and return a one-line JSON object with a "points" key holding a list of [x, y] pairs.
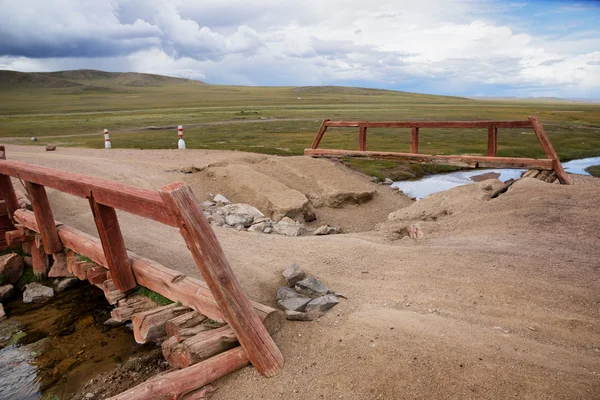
{"points": [[244, 217], [305, 298]]}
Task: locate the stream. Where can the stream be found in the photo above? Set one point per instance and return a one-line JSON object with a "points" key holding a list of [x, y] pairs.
{"points": [[440, 182]]}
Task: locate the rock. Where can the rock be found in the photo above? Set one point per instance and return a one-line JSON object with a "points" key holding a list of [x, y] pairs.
{"points": [[11, 267], [309, 215], [294, 303], [240, 214], [6, 292], [239, 220], [33, 139], [50, 147], [207, 204], [311, 287], [387, 181], [27, 260], [66, 283], [2, 313], [268, 229], [293, 274], [299, 316], [289, 227], [113, 322], [36, 293], [221, 199], [485, 176], [215, 219], [374, 179], [324, 230], [258, 227], [415, 232], [322, 304], [285, 292], [59, 267]]}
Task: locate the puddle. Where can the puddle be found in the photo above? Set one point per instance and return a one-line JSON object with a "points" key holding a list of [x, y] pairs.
{"points": [[52, 350], [440, 182]]}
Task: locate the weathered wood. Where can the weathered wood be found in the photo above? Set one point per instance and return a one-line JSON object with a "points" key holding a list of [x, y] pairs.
{"points": [[113, 245], [59, 266], [175, 385], [430, 124], [414, 140], [199, 347], [22, 199], [17, 236], [172, 284], [150, 325], [204, 393], [39, 259], [492, 145], [362, 138], [138, 201], [542, 136], [214, 268], [131, 305], [80, 269], [320, 134], [7, 190], [174, 326], [462, 161], [44, 217], [97, 275], [112, 294]]}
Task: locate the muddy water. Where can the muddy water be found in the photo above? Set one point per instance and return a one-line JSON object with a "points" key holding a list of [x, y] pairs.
{"points": [[50, 351], [440, 182]]}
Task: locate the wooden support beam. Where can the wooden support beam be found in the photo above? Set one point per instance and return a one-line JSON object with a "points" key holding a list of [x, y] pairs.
{"points": [[97, 275], [44, 217], [59, 266], [414, 140], [320, 134], [430, 124], [175, 385], [129, 306], [189, 320], [542, 136], [492, 145], [150, 325], [17, 236], [7, 190], [113, 245], [362, 138], [216, 271], [39, 259], [172, 284]]}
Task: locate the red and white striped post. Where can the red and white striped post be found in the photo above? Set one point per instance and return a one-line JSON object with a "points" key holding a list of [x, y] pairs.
{"points": [[180, 142], [106, 140]]}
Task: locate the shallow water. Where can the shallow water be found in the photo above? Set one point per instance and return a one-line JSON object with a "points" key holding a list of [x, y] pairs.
{"points": [[440, 182]]}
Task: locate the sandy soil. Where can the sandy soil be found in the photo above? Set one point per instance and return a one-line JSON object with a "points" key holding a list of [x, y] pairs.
{"points": [[499, 300]]}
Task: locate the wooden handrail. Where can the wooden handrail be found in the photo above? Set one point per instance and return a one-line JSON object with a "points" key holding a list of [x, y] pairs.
{"points": [[429, 124]]}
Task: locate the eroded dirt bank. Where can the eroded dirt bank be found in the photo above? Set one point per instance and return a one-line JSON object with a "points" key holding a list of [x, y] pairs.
{"points": [[500, 299]]}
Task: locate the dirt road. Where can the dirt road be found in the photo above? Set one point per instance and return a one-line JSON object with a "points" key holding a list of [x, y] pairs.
{"points": [[501, 299]]}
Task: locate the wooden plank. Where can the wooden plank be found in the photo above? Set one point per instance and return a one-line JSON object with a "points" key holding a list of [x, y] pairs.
{"points": [[461, 161], [431, 124], [138, 201], [44, 217], [362, 138], [113, 245], [492, 145], [320, 134], [17, 236], [172, 284], [414, 140], [174, 385], [149, 325], [218, 275], [544, 140], [7, 190]]}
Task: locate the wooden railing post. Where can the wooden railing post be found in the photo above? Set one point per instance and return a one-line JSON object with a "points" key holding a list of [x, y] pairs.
{"points": [[362, 138], [320, 134], [549, 150], [7, 191], [44, 217], [414, 140], [492, 145], [113, 245], [216, 271]]}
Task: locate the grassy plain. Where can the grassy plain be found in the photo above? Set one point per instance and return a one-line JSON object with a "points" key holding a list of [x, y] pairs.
{"points": [[72, 110]]}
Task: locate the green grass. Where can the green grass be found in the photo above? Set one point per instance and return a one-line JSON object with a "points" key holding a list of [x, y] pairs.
{"points": [[27, 278], [272, 120], [83, 258], [594, 170], [155, 297]]}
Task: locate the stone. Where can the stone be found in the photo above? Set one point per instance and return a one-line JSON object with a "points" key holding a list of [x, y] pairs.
{"points": [[415, 232], [219, 198], [11, 267], [6, 292], [50, 147], [2, 313], [324, 230], [311, 287], [66, 283], [268, 229], [239, 220], [207, 204], [387, 181], [322, 304], [289, 227], [216, 219], [240, 214], [293, 274], [285, 292], [257, 227], [59, 266], [294, 303], [299, 316], [485, 176], [36, 293]]}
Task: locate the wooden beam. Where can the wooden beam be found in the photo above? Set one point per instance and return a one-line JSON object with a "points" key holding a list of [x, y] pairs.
{"points": [[362, 138], [44, 217], [320, 134], [18, 236], [172, 284], [138, 201], [461, 161], [149, 325], [7, 190], [174, 385], [542, 136], [431, 124], [39, 260], [218, 275], [492, 145], [414, 140], [113, 245]]}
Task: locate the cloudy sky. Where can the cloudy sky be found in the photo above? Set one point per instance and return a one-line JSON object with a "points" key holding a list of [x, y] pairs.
{"points": [[458, 47]]}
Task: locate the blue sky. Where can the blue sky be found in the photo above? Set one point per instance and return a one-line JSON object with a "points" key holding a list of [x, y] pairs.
{"points": [[452, 47]]}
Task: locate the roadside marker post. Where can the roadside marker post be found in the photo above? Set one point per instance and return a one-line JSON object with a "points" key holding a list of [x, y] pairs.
{"points": [[180, 142], [106, 140]]}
